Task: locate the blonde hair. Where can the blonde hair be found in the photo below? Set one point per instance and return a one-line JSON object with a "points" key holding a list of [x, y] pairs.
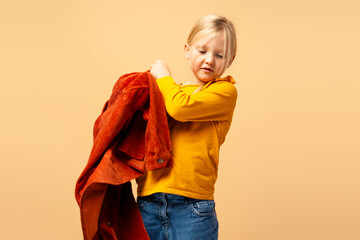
{"points": [[212, 25]]}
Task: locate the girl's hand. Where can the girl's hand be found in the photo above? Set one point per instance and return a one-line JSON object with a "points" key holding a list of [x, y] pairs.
{"points": [[159, 69]]}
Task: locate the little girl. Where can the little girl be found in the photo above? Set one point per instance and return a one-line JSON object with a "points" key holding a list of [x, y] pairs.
{"points": [[178, 202]]}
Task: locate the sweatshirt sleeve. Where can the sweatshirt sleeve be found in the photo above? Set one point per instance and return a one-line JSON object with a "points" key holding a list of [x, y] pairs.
{"points": [[216, 102]]}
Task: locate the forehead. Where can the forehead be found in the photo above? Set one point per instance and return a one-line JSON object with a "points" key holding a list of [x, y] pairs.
{"points": [[210, 39]]}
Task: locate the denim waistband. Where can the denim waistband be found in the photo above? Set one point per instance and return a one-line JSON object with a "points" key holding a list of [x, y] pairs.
{"points": [[169, 198]]}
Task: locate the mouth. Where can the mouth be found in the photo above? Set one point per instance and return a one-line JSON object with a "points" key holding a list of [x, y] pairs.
{"points": [[207, 69]]}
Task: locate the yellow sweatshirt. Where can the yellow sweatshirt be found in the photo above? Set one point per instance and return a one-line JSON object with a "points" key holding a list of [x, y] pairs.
{"points": [[200, 123]]}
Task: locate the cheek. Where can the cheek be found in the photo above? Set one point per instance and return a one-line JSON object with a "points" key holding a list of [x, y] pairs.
{"points": [[196, 62], [220, 68], [193, 65], [221, 63]]}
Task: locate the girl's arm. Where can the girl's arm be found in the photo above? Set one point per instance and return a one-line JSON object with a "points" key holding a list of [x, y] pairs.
{"points": [[213, 103]]}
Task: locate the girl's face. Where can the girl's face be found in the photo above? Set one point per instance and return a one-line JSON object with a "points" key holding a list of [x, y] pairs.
{"points": [[206, 58]]}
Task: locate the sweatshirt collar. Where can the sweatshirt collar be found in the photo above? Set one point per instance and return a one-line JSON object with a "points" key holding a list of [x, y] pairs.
{"points": [[227, 78]]}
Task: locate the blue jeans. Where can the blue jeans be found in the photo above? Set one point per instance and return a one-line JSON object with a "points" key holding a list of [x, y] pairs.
{"points": [[174, 217]]}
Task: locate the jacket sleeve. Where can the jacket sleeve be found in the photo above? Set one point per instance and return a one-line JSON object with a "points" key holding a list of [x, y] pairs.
{"points": [[213, 103]]}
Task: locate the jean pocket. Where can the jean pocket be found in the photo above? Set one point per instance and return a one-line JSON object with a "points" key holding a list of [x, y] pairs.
{"points": [[202, 207], [142, 201]]}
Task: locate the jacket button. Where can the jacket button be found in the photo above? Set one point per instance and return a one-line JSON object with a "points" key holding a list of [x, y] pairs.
{"points": [[108, 223], [160, 161]]}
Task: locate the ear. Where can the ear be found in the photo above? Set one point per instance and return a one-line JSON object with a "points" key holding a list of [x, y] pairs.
{"points": [[187, 51]]}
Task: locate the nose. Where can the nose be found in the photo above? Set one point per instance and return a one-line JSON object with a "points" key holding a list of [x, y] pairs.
{"points": [[209, 59]]}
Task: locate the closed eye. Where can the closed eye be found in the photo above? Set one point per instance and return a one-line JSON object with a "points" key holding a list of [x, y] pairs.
{"points": [[202, 51], [220, 56]]}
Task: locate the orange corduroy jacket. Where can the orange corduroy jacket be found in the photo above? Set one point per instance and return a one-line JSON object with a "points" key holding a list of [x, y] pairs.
{"points": [[131, 136]]}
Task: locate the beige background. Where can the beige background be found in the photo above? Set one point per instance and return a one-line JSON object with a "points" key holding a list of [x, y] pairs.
{"points": [[290, 166]]}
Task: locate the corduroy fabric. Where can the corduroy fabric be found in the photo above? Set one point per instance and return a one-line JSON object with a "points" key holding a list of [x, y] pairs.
{"points": [[131, 136]]}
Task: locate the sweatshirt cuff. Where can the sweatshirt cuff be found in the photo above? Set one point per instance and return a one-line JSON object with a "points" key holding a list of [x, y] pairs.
{"points": [[164, 79]]}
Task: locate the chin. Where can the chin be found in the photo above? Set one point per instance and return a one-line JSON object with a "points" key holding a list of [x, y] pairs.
{"points": [[206, 79]]}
